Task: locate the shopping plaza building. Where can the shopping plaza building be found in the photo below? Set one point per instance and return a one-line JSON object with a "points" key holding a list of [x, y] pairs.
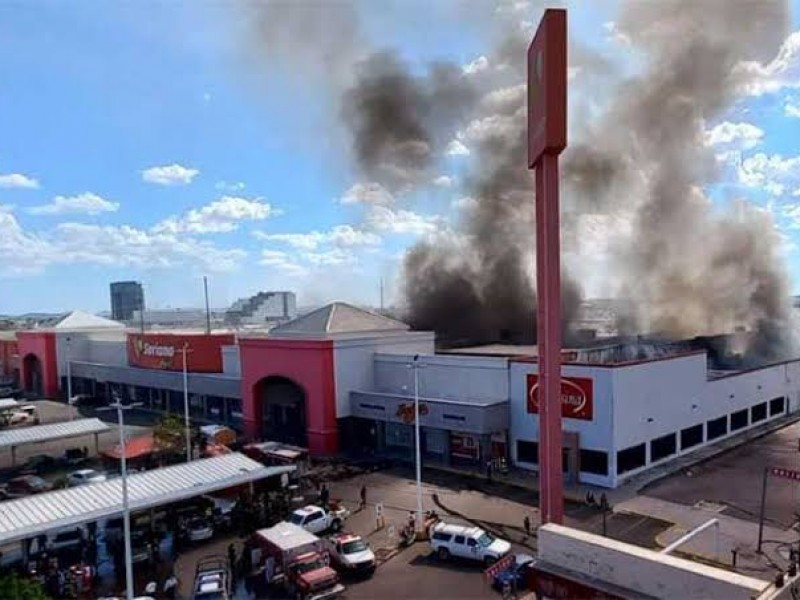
{"points": [[341, 379]]}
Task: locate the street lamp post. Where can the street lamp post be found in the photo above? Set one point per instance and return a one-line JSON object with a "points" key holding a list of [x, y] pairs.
{"points": [[418, 452], [126, 513], [186, 404], [69, 378]]}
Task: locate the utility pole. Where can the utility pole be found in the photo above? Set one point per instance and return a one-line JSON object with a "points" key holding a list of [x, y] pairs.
{"points": [[208, 310], [69, 377], [381, 295], [187, 422]]}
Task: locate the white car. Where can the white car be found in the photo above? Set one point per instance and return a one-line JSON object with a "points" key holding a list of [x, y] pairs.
{"points": [[84, 476], [351, 554], [199, 530], [467, 542], [315, 519]]}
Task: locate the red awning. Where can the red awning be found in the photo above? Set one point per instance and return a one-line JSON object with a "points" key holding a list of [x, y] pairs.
{"points": [[134, 448]]}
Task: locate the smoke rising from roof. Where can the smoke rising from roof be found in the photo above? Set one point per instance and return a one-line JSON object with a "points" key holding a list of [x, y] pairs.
{"points": [[636, 155]]}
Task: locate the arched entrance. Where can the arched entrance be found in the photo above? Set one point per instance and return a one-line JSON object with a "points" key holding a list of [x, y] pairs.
{"points": [[32, 367], [283, 411]]}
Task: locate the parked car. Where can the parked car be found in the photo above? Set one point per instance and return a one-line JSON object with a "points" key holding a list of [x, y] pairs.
{"points": [[318, 520], [25, 485], [140, 547], [351, 554], [467, 542], [41, 464], [84, 476], [21, 415], [76, 456], [212, 579], [199, 530], [515, 575]]}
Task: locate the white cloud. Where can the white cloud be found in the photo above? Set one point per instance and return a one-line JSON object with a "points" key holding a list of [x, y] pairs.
{"points": [[615, 34], [282, 261], [476, 66], [456, 148], [443, 181], [385, 219], [18, 180], [781, 72], [506, 99], [86, 204], [772, 173], [229, 186], [741, 135], [492, 126], [23, 252], [367, 193], [333, 257], [129, 246], [464, 203], [221, 216], [344, 236], [791, 107], [173, 174]]}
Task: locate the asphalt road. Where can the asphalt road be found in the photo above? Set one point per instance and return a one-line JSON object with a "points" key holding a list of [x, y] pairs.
{"points": [[415, 573], [733, 479]]}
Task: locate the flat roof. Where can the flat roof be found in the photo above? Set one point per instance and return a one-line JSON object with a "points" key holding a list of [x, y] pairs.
{"points": [[33, 515], [52, 431]]}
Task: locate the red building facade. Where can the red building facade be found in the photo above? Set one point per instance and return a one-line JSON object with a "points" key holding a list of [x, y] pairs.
{"points": [[38, 362]]}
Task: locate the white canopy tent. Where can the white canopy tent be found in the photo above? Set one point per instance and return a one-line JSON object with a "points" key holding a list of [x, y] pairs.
{"points": [[34, 515]]}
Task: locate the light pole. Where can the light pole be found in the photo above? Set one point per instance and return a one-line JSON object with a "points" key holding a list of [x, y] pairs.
{"points": [[126, 513], [69, 379], [186, 404], [418, 451]]}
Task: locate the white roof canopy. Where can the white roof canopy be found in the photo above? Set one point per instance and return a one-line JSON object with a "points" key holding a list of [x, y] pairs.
{"points": [[53, 431], [33, 515], [8, 403]]}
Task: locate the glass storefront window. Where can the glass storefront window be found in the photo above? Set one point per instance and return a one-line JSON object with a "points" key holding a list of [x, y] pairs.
{"points": [[399, 435]]}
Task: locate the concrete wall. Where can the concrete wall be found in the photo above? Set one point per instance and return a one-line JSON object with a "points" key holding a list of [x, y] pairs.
{"points": [[444, 376], [592, 435], [98, 346], [231, 361], [638, 569], [353, 360]]}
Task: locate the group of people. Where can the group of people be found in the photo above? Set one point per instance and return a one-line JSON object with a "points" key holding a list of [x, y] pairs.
{"points": [[64, 582]]}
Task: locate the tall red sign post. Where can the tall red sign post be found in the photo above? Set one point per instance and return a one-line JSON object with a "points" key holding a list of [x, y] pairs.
{"points": [[547, 137]]}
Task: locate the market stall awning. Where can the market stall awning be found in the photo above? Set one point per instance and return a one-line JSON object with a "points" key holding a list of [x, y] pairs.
{"points": [[52, 431], [33, 515], [134, 448]]}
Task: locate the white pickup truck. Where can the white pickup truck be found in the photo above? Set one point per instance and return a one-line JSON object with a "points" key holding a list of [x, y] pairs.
{"points": [[351, 554], [316, 519], [467, 542]]}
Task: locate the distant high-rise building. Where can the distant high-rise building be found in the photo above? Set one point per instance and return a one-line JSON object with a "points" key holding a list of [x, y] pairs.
{"points": [[263, 308], [126, 297]]}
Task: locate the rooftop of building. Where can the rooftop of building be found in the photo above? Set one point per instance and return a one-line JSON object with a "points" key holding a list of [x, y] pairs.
{"points": [[335, 319]]}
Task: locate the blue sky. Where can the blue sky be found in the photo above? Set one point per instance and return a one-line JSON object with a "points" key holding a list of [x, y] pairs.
{"points": [[150, 141]]}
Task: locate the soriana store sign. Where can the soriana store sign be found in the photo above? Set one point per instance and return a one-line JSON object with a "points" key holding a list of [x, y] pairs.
{"points": [[165, 351], [576, 397]]}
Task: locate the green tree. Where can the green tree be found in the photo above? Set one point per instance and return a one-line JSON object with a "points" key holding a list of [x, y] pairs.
{"points": [[169, 435], [14, 587]]}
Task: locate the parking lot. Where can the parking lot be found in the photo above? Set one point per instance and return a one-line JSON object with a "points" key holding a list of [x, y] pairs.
{"points": [[732, 480]]}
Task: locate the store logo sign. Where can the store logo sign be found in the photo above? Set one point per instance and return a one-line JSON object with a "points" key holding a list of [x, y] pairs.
{"points": [[158, 351], [576, 397], [406, 412]]}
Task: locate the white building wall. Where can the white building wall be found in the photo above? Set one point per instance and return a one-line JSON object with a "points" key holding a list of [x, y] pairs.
{"points": [[353, 360], [658, 398], [592, 435], [100, 346], [444, 376]]}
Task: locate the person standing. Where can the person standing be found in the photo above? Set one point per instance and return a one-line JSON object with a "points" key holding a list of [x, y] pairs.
{"points": [[527, 524], [324, 495], [363, 497]]}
